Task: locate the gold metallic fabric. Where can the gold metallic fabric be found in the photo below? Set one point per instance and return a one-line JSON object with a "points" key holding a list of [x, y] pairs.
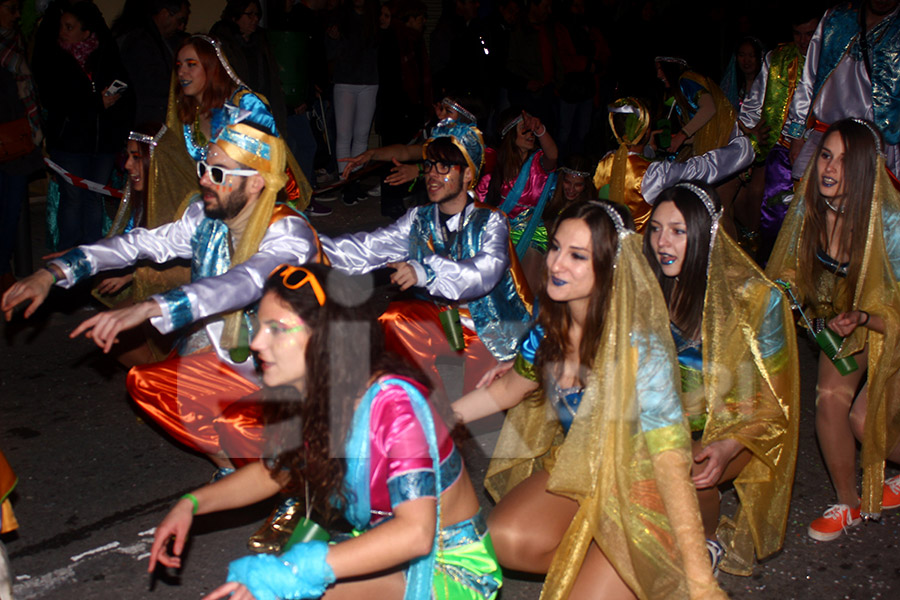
{"points": [[635, 496], [624, 172], [876, 293], [752, 397], [716, 132], [273, 172]]}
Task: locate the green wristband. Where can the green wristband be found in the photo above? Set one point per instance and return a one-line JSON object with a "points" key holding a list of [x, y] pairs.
{"points": [[52, 274], [193, 499]]}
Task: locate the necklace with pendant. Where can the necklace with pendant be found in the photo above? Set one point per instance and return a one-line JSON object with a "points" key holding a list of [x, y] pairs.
{"points": [[838, 209]]}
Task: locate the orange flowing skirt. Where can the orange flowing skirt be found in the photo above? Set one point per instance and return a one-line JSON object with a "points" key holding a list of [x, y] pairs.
{"points": [[8, 482], [412, 329], [202, 403]]}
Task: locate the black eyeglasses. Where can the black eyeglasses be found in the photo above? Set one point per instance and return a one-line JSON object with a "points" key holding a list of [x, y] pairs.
{"points": [[218, 174], [442, 168]]}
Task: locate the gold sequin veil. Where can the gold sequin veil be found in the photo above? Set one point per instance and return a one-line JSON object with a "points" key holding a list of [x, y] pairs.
{"points": [[876, 293], [751, 396], [633, 488]]}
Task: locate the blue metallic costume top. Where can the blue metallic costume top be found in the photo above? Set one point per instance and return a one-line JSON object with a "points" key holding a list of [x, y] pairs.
{"points": [[659, 405], [771, 340], [215, 287], [473, 267], [836, 37]]}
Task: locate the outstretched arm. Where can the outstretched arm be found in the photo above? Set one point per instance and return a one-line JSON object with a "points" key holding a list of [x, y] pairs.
{"points": [[105, 327], [34, 289], [710, 167], [394, 152], [502, 394], [243, 487]]}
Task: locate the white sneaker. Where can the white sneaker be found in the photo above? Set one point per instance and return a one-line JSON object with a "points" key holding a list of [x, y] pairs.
{"points": [[716, 553]]}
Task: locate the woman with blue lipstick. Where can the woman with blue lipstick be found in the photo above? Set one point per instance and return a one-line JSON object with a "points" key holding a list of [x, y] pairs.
{"points": [[734, 335], [839, 247], [591, 471]]}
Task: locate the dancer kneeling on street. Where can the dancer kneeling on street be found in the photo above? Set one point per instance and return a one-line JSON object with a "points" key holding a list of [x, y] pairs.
{"points": [[740, 385], [373, 449], [235, 233], [593, 479], [454, 256]]}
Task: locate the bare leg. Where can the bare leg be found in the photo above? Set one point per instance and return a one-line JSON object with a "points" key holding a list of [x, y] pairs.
{"points": [[858, 421], [389, 585], [5, 575], [599, 579], [709, 499], [529, 523], [221, 460], [728, 192], [532, 264], [834, 397]]}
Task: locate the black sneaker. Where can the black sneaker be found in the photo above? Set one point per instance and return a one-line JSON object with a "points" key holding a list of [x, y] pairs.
{"points": [[317, 210], [352, 193]]}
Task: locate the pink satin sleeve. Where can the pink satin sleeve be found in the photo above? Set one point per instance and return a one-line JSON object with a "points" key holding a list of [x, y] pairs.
{"points": [[398, 442]]}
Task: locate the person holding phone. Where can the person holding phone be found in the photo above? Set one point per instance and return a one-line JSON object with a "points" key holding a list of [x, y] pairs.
{"points": [[85, 125]]}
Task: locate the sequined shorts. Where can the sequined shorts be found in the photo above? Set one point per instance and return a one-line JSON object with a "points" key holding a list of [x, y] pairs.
{"points": [[466, 564]]}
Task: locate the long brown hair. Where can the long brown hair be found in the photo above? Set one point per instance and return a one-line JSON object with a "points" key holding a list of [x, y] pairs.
{"points": [[685, 294], [219, 85], [336, 356], [509, 161], [556, 317], [858, 177], [576, 162], [139, 197]]}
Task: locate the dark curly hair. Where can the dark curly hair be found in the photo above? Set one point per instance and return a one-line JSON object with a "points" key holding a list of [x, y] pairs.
{"points": [[339, 367]]}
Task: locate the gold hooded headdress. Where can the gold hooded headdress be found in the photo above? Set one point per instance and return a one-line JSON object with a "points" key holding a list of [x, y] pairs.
{"points": [[266, 154], [629, 121]]}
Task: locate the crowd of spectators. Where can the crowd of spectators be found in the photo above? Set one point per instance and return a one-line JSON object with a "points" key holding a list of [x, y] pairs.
{"points": [[331, 69]]}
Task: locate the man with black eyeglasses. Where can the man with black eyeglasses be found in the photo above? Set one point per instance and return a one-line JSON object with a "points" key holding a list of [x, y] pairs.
{"points": [[234, 233], [469, 294]]}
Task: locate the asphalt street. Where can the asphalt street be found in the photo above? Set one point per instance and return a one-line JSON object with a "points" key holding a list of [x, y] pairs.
{"points": [[95, 478]]}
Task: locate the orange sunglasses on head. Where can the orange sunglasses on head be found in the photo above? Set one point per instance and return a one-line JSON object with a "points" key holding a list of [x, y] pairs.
{"points": [[287, 271]]}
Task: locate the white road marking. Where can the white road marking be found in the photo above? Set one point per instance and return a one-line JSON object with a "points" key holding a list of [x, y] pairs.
{"points": [[98, 550], [39, 586], [28, 587]]}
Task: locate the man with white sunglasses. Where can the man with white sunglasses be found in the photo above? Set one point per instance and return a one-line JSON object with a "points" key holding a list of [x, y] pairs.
{"points": [[234, 233]]}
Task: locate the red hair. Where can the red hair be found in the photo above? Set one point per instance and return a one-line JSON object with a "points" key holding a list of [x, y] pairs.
{"points": [[219, 85]]}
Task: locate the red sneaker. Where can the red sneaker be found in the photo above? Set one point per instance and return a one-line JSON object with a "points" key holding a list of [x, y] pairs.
{"points": [[890, 498], [834, 522]]}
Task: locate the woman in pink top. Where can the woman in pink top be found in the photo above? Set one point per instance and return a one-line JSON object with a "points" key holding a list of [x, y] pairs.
{"points": [[361, 443], [520, 179]]}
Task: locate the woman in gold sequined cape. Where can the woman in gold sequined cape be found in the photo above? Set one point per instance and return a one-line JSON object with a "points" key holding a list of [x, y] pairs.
{"points": [[742, 403], [871, 204], [606, 508]]}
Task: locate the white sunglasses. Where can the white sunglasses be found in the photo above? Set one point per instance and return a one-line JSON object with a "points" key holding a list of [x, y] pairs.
{"points": [[218, 174]]}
